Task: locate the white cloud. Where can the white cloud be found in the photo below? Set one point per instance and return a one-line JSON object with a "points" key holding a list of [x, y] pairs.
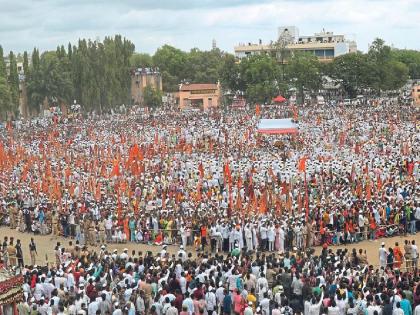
{"points": [[194, 23]]}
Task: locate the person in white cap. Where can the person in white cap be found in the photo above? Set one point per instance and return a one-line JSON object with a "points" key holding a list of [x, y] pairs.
{"points": [[182, 254], [248, 309], [382, 255], [124, 254], [164, 251], [210, 298]]}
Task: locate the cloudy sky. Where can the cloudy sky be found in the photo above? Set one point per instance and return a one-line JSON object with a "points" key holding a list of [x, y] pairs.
{"points": [[194, 23]]}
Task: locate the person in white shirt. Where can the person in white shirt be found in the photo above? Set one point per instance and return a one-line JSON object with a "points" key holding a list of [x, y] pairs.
{"points": [[188, 302], [265, 304], [397, 310], [281, 240], [271, 235], [417, 310], [93, 306], [382, 255], [263, 234], [414, 253], [248, 237], [210, 299], [248, 310], [182, 254], [333, 309]]}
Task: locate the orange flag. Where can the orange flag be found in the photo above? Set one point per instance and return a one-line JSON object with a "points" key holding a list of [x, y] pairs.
{"points": [[263, 202], [368, 191], [201, 170], [257, 110], [379, 183], [302, 164], [228, 175], [115, 168]]}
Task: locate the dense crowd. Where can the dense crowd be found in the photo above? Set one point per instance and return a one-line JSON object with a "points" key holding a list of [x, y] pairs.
{"points": [[90, 282], [211, 181], [350, 174]]}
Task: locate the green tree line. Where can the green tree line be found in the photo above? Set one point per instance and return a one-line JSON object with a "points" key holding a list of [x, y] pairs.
{"points": [[97, 73], [262, 77]]}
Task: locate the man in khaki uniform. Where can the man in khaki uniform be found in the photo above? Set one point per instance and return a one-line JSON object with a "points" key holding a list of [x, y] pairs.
{"points": [[32, 251], [86, 226], [92, 234], [101, 228], [13, 215], [11, 251], [408, 254], [54, 225]]}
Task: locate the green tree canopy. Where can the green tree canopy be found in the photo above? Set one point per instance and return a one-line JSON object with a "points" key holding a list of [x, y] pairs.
{"points": [[141, 60], [260, 75], [411, 58], [5, 98], [304, 73], [353, 70], [13, 80], [172, 64]]}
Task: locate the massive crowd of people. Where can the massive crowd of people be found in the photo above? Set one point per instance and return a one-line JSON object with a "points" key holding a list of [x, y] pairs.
{"points": [[210, 181]]}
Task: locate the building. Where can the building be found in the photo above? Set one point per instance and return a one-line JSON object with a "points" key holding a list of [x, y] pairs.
{"points": [[415, 94], [324, 45], [288, 34], [142, 77], [198, 95]]}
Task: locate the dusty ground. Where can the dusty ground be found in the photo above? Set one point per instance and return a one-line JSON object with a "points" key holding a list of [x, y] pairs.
{"points": [[45, 245]]}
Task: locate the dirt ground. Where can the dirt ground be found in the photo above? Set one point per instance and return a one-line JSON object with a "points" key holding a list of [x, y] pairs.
{"points": [[45, 245]]}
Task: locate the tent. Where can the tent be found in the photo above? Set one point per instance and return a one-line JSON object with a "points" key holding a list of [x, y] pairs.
{"points": [[279, 99], [277, 126]]}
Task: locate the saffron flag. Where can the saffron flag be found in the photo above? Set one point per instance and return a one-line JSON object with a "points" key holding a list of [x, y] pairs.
{"points": [[201, 170], [257, 110], [302, 164]]}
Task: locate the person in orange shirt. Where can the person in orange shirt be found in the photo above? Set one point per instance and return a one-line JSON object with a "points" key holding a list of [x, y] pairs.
{"points": [[203, 234], [398, 256]]}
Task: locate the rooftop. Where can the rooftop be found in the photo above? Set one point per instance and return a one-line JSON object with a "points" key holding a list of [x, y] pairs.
{"points": [[198, 86]]}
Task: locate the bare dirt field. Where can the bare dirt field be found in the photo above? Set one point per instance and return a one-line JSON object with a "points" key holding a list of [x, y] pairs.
{"points": [[45, 245]]}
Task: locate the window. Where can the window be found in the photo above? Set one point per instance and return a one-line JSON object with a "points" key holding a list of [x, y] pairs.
{"points": [[329, 53], [319, 53]]}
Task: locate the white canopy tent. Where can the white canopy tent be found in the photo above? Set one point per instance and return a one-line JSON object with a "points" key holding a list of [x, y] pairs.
{"points": [[277, 126]]}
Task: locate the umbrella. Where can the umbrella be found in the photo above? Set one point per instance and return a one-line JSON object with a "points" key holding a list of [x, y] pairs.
{"points": [[279, 99]]}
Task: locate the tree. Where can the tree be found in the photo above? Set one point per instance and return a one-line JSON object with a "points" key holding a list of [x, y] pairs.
{"points": [[411, 58], [49, 82], [3, 72], [25, 63], [387, 73], [281, 53], [152, 97], [139, 60], [34, 87], [229, 74], [172, 64], [5, 98], [13, 80], [260, 75], [304, 73], [69, 51], [203, 66], [353, 70], [396, 75]]}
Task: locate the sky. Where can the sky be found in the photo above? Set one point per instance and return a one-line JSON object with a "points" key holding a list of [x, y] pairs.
{"points": [[186, 24]]}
